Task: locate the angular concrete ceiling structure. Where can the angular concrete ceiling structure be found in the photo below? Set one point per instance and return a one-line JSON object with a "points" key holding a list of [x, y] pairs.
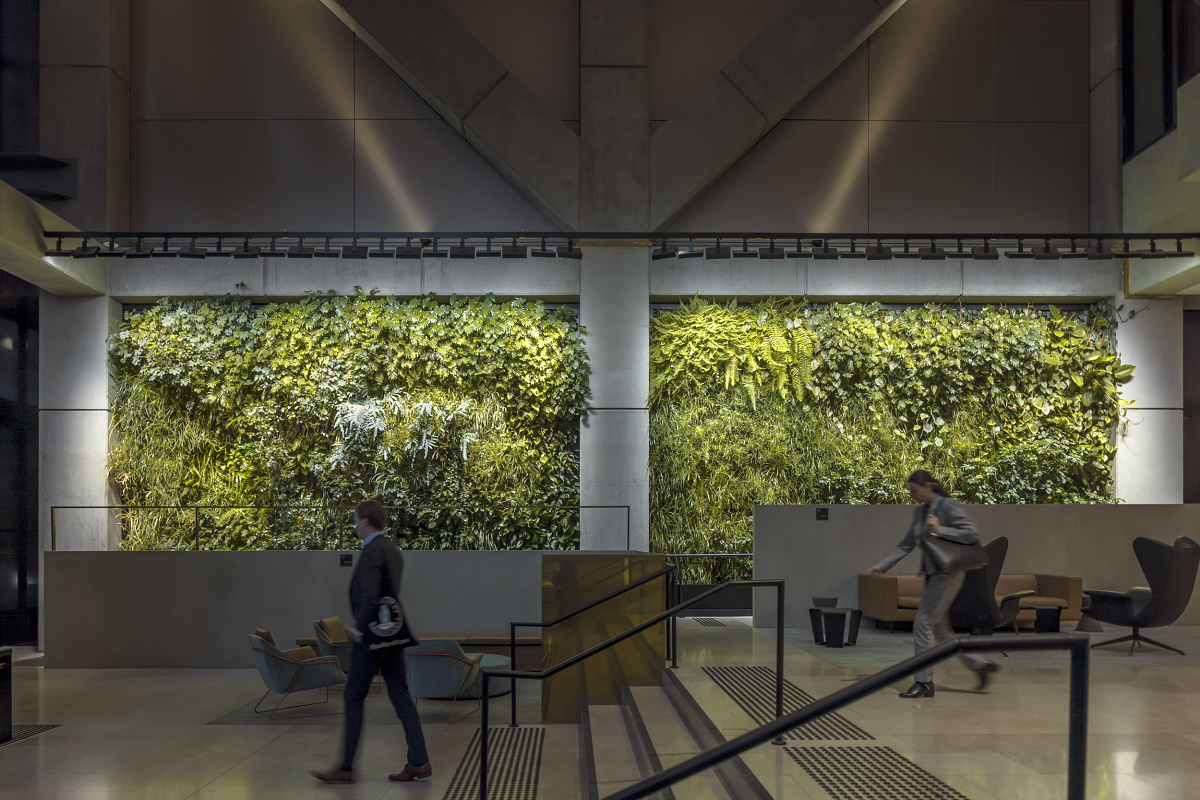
{"points": [[540, 154]]}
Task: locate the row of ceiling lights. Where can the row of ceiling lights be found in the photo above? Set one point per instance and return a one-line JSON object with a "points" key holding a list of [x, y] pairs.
{"points": [[869, 248]]}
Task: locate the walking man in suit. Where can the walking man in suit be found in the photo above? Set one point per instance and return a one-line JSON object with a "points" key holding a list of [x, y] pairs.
{"points": [[380, 635]]}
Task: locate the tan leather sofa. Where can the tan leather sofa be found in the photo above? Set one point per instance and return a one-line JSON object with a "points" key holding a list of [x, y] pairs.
{"points": [[894, 598]]}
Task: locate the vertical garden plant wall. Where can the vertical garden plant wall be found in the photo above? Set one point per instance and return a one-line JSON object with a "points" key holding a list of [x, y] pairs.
{"points": [[461, 416], [785, 403]]}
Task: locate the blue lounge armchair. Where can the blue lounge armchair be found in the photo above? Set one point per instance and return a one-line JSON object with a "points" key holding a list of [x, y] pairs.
{"points": [[438, 669], [288, 671]]}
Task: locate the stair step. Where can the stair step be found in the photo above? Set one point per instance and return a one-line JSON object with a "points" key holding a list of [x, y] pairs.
{"points": [[612, 754], [670, 742]]}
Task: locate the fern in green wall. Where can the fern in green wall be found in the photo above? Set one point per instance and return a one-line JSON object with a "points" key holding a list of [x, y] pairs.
{"points": [[784, 403], [462, 416]]}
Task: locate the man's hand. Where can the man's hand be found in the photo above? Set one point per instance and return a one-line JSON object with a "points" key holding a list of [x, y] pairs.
{"points": [[875, 570], [355, 635]]}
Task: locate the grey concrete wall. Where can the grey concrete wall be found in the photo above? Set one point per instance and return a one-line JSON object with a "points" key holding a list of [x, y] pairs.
{"points": [[195, 609], [824, 558]]}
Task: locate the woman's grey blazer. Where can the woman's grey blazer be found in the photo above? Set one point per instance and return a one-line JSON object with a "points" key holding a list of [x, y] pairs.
{"points": [[952, 524]]}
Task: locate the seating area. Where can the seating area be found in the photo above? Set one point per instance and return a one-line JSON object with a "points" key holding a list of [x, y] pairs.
{"points": [[286, 672], [894, 598]]}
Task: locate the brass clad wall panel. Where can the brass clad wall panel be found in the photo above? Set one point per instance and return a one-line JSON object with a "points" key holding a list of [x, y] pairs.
{"points": [[573, 580]]}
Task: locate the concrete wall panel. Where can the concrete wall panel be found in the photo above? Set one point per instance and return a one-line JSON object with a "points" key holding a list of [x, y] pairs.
{"points": [[240, 59], [546, 278], [1149, 465], [614, 469], [243, 175], [448, 187], [379, 93], [930, 176], [933, 60], [1074, 280], [803, 175], [906, 280], [824, 558], [146, 280], [693, 40], [165, 601], [537, 40], [95, 32], [1042, 61], [842, 95], [1040, 177], [674, 280], [1153, 341]]}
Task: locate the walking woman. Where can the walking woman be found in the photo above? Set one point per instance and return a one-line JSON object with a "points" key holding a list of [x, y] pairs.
{"points": [[938, 515]]}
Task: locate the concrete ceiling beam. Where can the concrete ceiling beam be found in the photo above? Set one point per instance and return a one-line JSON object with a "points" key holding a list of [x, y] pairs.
{"points": [[1162, 277], [735, 110], [23, 248], [476, 94]]}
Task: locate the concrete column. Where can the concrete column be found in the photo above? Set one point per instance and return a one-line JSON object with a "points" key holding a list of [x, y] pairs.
{"points": [[73, 422], [85, 106], [1105, 117], [1149, 466], [614, 443]]}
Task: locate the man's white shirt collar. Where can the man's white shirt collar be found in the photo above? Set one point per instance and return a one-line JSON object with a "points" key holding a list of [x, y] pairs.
{"points": [[367, 540]]}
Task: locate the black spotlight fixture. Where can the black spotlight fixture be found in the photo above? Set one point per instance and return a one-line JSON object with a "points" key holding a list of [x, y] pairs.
{"points": [[140, 249], [933, 252], [354, 251], [112, 251], [745, 252], [247, 250], [771, 252], [663, 251], [381, 251], [959, 252], [514, 250], [220, 251], [799, 252], [823, 250], [1074, 252], [409, 251], [1161, 252], [166, 251], [542, 252], [434, 251], [1046, 252], [462, 251], [1020, 252], [488, 251], [85, 250], [570, 251], [877, 252], [273, 251], [906, 251], [985, 252], [191, 251], [854, 252], [717, 251], [1100, 251], [1180, 252], [58, 251], [298, 250], [326, 251], [691, 252]]}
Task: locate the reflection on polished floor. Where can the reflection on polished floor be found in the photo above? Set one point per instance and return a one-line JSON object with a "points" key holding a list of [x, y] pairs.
{"points": [[146, 733]]}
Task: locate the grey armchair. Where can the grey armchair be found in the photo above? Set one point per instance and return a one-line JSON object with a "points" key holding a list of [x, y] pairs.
{"points": [[438, 669], [975, 607], [1171, 572], [288, 671]]}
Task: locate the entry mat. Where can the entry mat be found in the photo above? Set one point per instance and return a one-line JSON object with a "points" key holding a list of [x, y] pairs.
{"points": [[878, 773], [514, 765], [753, 689], [25, 731]]}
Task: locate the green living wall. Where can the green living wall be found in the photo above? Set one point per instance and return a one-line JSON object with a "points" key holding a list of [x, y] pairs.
{"points": [[786, 403], [462, 416]]}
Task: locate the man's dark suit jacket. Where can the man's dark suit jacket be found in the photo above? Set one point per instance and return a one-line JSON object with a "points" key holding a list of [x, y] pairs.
{"points": [[378, 560]]}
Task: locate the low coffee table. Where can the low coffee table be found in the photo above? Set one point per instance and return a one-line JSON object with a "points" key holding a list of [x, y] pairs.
{"points": [[829, 626]]}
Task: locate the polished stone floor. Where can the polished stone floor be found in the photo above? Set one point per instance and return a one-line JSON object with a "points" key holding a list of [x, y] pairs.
{"points": [[146, 733]]}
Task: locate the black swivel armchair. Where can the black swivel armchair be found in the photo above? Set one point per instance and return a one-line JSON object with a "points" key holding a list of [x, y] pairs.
{"points": [[1171, 572], [975, 606]]}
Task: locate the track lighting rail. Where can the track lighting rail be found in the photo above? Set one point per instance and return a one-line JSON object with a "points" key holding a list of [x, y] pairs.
{"points": [[559, 245]]}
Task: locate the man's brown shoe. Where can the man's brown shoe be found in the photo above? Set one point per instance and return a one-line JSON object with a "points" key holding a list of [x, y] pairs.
{"points": [[411, 773], [334, 776]]}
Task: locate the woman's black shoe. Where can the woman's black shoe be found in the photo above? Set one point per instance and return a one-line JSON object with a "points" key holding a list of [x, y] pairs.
{"points": [[984, 674], [919, 689]]}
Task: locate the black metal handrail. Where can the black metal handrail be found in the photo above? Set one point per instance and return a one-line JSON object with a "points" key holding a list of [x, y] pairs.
{"points": [[1077, 643], [198, 508], [512, 626], [486, 674]]}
